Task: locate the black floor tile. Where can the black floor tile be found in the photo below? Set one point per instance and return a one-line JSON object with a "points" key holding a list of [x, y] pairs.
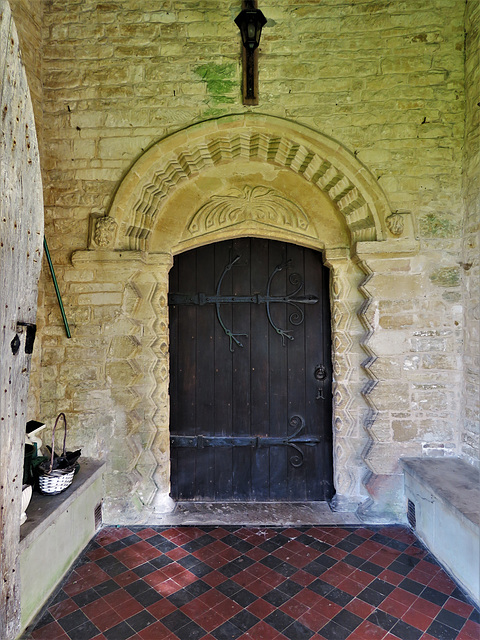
{"points": [[200, 569], [339, 597], [244, 620], [333, 631], [148, 597], [191, 631], [85, 631], [227, 631], [111, 566], [85, 597], [372, 597], [229, 587], [347, 619], [385, 588], [276, 597], [141, 620], [450, 619], [432, 595], [46, 618], [286, 570], [298, 631], [326, 561], [372, 568], [175, 620], [137, 587], [109, 586], [279, 620], [315, 569], [115, 546], [161, 561], [290, 587], [405, 631], [144, 569], [353, 560], [180, 598], [72, 620], [243, 598], [321, 587], [121, 631], [442, 631], [382, 619], [198, 588], [413, 587]]}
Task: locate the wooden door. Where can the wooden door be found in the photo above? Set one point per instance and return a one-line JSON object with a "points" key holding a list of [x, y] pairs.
{"points": [[250, 371], [21, 237]]}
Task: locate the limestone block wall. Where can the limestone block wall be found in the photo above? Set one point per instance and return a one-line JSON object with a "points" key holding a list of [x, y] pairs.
{"points": [[385, 80], [470, 261]]}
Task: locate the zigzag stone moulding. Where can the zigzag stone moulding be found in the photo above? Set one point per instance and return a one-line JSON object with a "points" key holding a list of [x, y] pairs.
{"points": [[259, 203], [321, 161], [347, 473]]}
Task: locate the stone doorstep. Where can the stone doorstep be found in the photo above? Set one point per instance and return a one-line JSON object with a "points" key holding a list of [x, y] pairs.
{"points": [[43, 510], [455, 483]]}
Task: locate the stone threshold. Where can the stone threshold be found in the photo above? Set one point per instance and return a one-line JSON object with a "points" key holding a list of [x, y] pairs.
{"points": [[255, 514]]}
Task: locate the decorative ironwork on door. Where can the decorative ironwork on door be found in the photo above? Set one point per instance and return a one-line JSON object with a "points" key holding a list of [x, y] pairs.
{"points": [[251, 423], [255, 442], [296, 317]]}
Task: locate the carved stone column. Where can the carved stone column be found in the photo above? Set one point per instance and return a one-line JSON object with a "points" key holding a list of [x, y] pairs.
{"points": [[348, 435]]}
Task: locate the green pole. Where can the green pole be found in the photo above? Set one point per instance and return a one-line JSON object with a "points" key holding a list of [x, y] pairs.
{"points": [[57, 290]]}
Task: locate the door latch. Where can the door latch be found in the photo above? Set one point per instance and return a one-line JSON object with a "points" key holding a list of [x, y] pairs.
{"points": [[30, 337]]}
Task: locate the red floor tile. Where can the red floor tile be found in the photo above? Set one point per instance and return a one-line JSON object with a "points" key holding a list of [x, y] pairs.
{"points": [[184, 589], [417, 619], [52, 631]]}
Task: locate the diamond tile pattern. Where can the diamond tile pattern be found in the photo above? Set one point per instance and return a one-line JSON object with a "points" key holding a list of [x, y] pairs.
{"points": [[223, 583]]}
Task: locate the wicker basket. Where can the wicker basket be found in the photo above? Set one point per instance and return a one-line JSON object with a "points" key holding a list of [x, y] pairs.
{"points": [[56, 480]]}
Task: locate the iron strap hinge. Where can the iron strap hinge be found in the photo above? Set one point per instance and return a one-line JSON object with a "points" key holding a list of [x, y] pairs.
{"points": [[256, 442]]}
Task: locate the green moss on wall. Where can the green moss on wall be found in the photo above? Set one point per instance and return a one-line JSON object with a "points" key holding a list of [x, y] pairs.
{"points": [[446, 277], [437, 226], [221, 80]]}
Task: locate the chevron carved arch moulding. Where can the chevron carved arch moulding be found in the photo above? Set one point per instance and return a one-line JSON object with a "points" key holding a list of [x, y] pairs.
{"points": [[321, 161]]}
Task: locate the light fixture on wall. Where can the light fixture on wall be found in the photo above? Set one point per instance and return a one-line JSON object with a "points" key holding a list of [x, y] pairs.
{"points": [[250, 21]]}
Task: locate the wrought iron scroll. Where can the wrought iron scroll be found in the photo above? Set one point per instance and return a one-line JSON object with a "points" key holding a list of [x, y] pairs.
{"points": [[296, 317], [233, 337]]}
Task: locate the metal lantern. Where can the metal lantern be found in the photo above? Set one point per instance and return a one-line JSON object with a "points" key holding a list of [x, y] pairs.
{"points": [[250, 21]]}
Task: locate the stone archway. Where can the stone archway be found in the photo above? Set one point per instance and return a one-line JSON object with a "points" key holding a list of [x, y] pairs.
{"points": [[247, 175]]}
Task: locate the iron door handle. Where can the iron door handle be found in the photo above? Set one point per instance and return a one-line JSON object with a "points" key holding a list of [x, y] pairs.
{"points": [[320, 373]]}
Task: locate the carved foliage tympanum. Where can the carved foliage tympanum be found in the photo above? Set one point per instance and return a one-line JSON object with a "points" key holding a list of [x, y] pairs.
{"points": [[259, 204]]}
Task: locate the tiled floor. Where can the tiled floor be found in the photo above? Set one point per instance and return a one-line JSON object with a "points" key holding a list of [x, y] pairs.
{"points": [[266, 583]]}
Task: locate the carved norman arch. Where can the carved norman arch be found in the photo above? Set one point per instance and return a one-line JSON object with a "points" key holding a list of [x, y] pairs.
{"points": [[317, 159], [243, 175]]}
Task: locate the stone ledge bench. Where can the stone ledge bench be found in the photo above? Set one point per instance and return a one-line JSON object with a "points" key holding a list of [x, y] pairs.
{"points": [[56, 531], [445, 494]]}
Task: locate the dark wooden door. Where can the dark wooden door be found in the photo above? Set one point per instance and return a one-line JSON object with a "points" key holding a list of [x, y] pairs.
{"points": [[250, 371]]}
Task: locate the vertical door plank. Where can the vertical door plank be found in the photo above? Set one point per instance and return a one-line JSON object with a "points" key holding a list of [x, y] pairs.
{"points": [[187, 397], [259, 358], [295, 374], [242, 456], [205, 373], [277, 378], [224, 388]]}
